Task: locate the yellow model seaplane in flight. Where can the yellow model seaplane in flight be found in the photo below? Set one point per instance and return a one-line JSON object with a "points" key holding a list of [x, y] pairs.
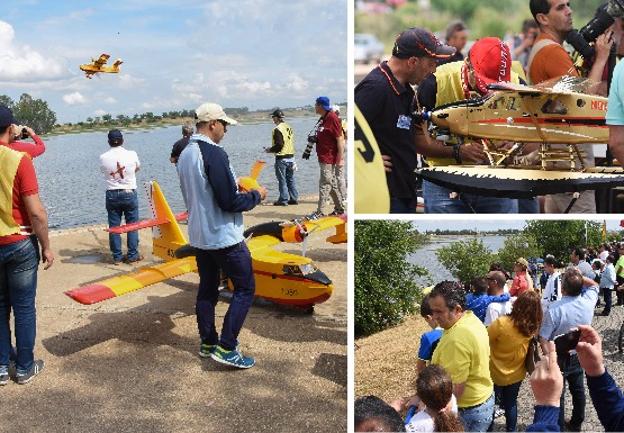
{"points": [[281, 277], [555, 114], [97, 66]]}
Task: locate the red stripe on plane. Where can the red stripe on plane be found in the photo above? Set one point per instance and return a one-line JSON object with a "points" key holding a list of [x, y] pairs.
{"points": [[144, 224], [91, 294]]}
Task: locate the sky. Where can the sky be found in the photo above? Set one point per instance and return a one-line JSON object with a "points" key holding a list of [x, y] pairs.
{"points": [[612, 224], [177, 54]]}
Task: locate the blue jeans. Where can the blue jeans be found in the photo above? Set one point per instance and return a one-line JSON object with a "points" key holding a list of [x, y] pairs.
{"points": [[402, 205], [18, 286], [285, 173], [478, 418], [235, 262], [122, 202], [508, 396], [573, 374], [437, 200], [528, 205]]}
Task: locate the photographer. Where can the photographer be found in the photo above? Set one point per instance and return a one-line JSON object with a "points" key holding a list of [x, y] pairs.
{"points": [[548, 60], [330, 150], [17, 132]]}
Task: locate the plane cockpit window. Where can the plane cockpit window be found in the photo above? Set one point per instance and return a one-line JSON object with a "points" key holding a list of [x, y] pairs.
{"points": [[554, 106]]}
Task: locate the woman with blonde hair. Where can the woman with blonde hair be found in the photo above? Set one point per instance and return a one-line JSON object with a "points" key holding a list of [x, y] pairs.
{"points": [[522, 281], [509, 342]]}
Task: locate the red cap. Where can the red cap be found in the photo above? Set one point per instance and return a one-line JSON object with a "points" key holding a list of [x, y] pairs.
{"points": [[491, 62]]}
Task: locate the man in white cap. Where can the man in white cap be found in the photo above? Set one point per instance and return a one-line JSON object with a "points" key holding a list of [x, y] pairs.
{"points": [[215, 228]]}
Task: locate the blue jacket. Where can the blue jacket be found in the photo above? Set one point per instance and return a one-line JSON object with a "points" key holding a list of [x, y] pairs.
{"points": [[608, 401], [546, 418], [479, 303], [211, 195]]}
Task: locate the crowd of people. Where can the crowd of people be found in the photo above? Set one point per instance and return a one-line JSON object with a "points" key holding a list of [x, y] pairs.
{"points": [[423, 73], [215, 225], [484, 340]]}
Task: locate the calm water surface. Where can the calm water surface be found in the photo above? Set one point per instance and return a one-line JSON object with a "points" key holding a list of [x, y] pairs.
{"points": [[426, 256], [72, 186]]}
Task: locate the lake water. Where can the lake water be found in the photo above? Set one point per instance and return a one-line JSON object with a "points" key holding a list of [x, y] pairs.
{"points": [[426, 256], [72, 186]]}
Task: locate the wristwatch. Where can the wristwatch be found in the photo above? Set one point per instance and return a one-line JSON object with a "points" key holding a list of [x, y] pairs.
{"points": [[456, 153]]}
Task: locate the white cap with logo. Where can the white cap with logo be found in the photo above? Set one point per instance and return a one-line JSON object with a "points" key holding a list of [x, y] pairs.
{"points": [[211, 111]]}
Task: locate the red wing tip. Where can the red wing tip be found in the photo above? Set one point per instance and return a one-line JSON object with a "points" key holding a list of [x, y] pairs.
{"points": [[91, 294]]}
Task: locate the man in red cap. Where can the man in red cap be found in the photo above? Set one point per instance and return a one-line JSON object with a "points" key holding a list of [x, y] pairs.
{"points": [[386, 100], [549, 60], [489, 61]]}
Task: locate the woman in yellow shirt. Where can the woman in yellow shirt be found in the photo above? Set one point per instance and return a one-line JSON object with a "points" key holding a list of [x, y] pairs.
{"points": [[509, 342]]}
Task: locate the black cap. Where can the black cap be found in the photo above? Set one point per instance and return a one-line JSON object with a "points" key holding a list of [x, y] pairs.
{"points": [[6, 116], [115, 136], [277, 113], [417, 42]]}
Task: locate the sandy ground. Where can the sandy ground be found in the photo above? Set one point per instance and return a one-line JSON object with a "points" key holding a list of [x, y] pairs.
{"points": [[130, 364], [385, 365]]}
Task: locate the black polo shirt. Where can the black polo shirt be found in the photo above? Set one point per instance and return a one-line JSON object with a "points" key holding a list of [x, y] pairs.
{"points": [[387, 105]]}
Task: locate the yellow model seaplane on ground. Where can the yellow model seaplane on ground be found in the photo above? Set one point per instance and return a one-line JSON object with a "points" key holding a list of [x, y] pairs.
{"points": [[280, 277], [97, 66], [555, 114]]}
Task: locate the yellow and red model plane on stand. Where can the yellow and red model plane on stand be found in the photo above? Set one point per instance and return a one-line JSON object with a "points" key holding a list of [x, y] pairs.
{"points": [[558, 115], [280, 277], [97, 66]]}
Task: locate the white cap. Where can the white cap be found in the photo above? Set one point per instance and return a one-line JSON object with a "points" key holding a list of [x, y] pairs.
{"points": [[335, 108], [211, 111]]}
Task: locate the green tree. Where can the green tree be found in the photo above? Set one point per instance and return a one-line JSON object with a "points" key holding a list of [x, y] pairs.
{"points": [[518, 245], [466, 260], [385, 287], [557, 237], [34, 113]]}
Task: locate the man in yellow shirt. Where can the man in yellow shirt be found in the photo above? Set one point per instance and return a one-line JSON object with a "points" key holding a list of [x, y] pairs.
{"points": [[464, 352]]}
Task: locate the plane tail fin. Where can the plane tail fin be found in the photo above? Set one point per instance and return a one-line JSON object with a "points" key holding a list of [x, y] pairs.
{"points": [[167, 237]]}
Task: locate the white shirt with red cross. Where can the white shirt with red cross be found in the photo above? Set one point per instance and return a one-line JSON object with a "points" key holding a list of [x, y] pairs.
{"points": [[119, 166]]}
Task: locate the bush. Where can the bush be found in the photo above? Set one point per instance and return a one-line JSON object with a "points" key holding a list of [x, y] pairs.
{"points": [[518, 245], [385, 290], [558, 237], [466, 260]]}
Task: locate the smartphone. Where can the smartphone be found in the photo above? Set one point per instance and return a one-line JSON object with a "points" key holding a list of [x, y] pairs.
{"points": [[566, 342]]}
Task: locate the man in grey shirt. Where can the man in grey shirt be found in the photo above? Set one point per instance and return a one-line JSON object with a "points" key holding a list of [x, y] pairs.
{"points": [[575, 308], [578, 258]]}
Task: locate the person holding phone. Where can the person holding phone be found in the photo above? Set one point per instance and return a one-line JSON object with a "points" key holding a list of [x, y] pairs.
{"points": [[575, 308]]}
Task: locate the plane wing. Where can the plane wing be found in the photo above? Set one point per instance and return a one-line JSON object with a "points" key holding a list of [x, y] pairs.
{"points": [[123, 284], [519, 88], [101, 60]]}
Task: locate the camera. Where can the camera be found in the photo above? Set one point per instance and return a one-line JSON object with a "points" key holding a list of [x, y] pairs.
{"points": [[312, 140], [603, 18], [566, 342], [20, 133]]}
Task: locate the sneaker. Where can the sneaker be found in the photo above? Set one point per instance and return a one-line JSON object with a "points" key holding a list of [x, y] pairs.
{"points": [[314, 216], [136, 259], [336, 213], [280, 203], [4, 375], [293, 202], [232, 357], [205, 350], [24, 378], [498, 412]]}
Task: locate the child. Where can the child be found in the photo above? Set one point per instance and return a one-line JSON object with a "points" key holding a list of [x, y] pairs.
{"points": [[478, 301], [429, 340], [438, 411]]}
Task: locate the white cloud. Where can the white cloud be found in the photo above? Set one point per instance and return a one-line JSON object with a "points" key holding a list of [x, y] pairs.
{"points": [[127, 81], [100, 112], [297, 83], [22, 63], [74, 98], [255, 87], [110, 100]]}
